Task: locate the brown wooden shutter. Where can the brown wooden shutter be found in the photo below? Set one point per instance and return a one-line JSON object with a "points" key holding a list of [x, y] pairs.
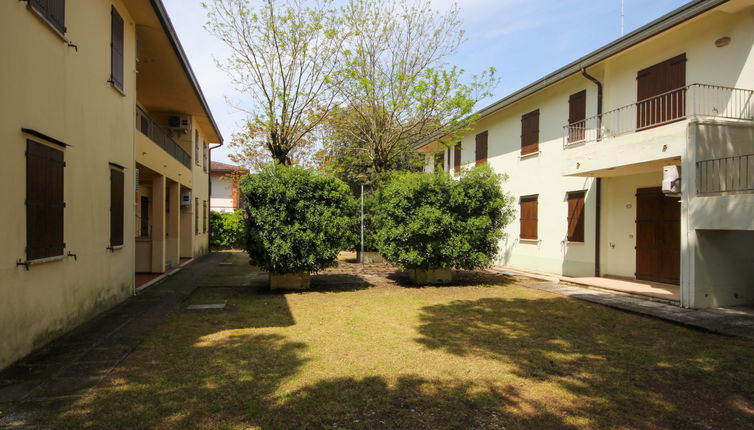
{"points": [[116, 49], [44, 201], [196, 215], [144, 224], [528, 218], [661, 79], [481, 148], [457, 157], [576, 116], [117, 184], [439, 161], [204, 154], [205, 214], [530, 132], [196, 147], [52, 10], [576, 216]]}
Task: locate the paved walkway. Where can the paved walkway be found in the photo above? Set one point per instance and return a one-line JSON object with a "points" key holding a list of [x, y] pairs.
{"points": [[727, 321], [71, 365]]}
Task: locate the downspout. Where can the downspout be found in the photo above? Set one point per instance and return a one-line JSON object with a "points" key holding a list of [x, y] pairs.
{"points": [[209, 191], [597, 181]]}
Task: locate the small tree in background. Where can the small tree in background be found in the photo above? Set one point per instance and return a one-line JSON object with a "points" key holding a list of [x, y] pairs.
{"points": [[431, 221], [228, 229], [297, 220], [284, 59]]}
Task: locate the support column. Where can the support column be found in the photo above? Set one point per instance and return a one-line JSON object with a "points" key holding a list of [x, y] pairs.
{"points": [[187, 232], [173, 222], [158, 224]]}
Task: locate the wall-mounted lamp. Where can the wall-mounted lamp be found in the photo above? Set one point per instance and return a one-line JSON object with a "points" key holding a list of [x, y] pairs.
{"points": [[723, 41]]}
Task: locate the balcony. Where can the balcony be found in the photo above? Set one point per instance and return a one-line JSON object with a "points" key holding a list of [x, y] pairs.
{"points": [[148, 127], [725, 175], [673, 106]]}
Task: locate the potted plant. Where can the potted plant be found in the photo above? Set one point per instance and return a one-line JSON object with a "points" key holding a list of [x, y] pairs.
{"points": [[297, 221], [430, 223]]}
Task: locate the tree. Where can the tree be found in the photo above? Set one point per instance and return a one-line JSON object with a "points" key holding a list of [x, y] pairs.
{"points": [[284, 58], [397, 89], [432, 220]]}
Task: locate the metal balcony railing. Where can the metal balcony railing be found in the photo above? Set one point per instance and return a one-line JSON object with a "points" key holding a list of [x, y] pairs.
{"points": [[672, 106], [725, 175], [156, 134]]}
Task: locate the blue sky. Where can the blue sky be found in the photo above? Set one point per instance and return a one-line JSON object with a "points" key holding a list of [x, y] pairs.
{"points": [[523, 39]]}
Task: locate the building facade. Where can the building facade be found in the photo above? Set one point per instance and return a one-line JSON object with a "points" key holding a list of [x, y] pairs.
{"points": [[587, 149], [224, 185], [106, 140]]}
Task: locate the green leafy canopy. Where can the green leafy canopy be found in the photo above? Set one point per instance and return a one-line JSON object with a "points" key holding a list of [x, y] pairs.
{"points": [[431, 220], [297, 219]]}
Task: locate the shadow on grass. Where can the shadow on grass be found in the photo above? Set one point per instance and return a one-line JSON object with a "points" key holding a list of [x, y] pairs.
{"points": [[461, 278], [339, 282], [625, 370]]}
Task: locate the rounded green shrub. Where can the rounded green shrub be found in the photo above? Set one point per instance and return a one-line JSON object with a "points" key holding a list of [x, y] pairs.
{"points": [[431, 220], [227, 229], [297, 220]]}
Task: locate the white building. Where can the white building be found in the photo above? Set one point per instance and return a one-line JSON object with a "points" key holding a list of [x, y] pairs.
{"points": [[224, 182], [585, 148]]}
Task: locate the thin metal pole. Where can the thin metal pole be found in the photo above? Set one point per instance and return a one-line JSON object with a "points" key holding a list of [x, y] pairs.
{"points": [[362, 225], [622, 18]]}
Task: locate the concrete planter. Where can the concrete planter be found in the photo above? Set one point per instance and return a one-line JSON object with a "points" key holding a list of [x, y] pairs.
{"points": [[290, 281], [370, 257], [431, 276]]}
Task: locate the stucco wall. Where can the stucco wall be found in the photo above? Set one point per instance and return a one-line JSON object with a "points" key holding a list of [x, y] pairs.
{"points": [[222, 193], [62, 92]]}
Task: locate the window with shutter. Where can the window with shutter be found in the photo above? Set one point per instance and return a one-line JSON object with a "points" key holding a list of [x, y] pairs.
{"points": [[481, 148], [457, 157], [576, 116], [205, 214], [528, 217], [661, 93], [44, 201], [530, 133], [196, 215], [116, 49], [204, 155], [52, 11], [439, 161], [196, 146], [576, 216], [144, 222], [117, 185]]}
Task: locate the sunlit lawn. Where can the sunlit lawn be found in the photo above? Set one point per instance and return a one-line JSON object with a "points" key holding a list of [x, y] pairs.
{"points": [[370, 353]]}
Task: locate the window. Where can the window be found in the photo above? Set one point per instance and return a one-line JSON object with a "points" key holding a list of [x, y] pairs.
{"points": [[457, 157], [576, 216], [117, 185], [44, 201], [116, 49], [205, 214], [196, 215], [528, 219], [530, 133], [196, 146], [481, 148], [52, 11], [204, 153], [661, 93], [439, 161], [576, 117]]}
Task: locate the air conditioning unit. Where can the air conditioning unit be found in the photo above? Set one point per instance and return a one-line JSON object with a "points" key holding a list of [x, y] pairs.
{"points": [[671, 180], [179, 122], [186, 198]]}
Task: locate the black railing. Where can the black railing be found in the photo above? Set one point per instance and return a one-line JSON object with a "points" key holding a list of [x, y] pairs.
{"points": [[148, 127], [725, 175]]}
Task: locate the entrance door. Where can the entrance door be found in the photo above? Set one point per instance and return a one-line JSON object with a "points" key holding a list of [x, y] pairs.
{"points": [[658, 236]]}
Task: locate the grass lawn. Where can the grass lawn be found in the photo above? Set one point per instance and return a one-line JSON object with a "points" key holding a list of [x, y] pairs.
{"points": [[362, 351]]}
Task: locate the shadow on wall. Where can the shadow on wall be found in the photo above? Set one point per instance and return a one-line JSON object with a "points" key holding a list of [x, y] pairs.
{"points": [[606, 361]]}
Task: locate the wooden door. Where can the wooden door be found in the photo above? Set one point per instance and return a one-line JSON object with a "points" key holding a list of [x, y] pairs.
{"points": [[658, 236]]}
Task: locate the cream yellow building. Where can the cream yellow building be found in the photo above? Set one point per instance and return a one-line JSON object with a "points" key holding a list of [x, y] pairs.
{"points": [[106, 137], [588, 146]]}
